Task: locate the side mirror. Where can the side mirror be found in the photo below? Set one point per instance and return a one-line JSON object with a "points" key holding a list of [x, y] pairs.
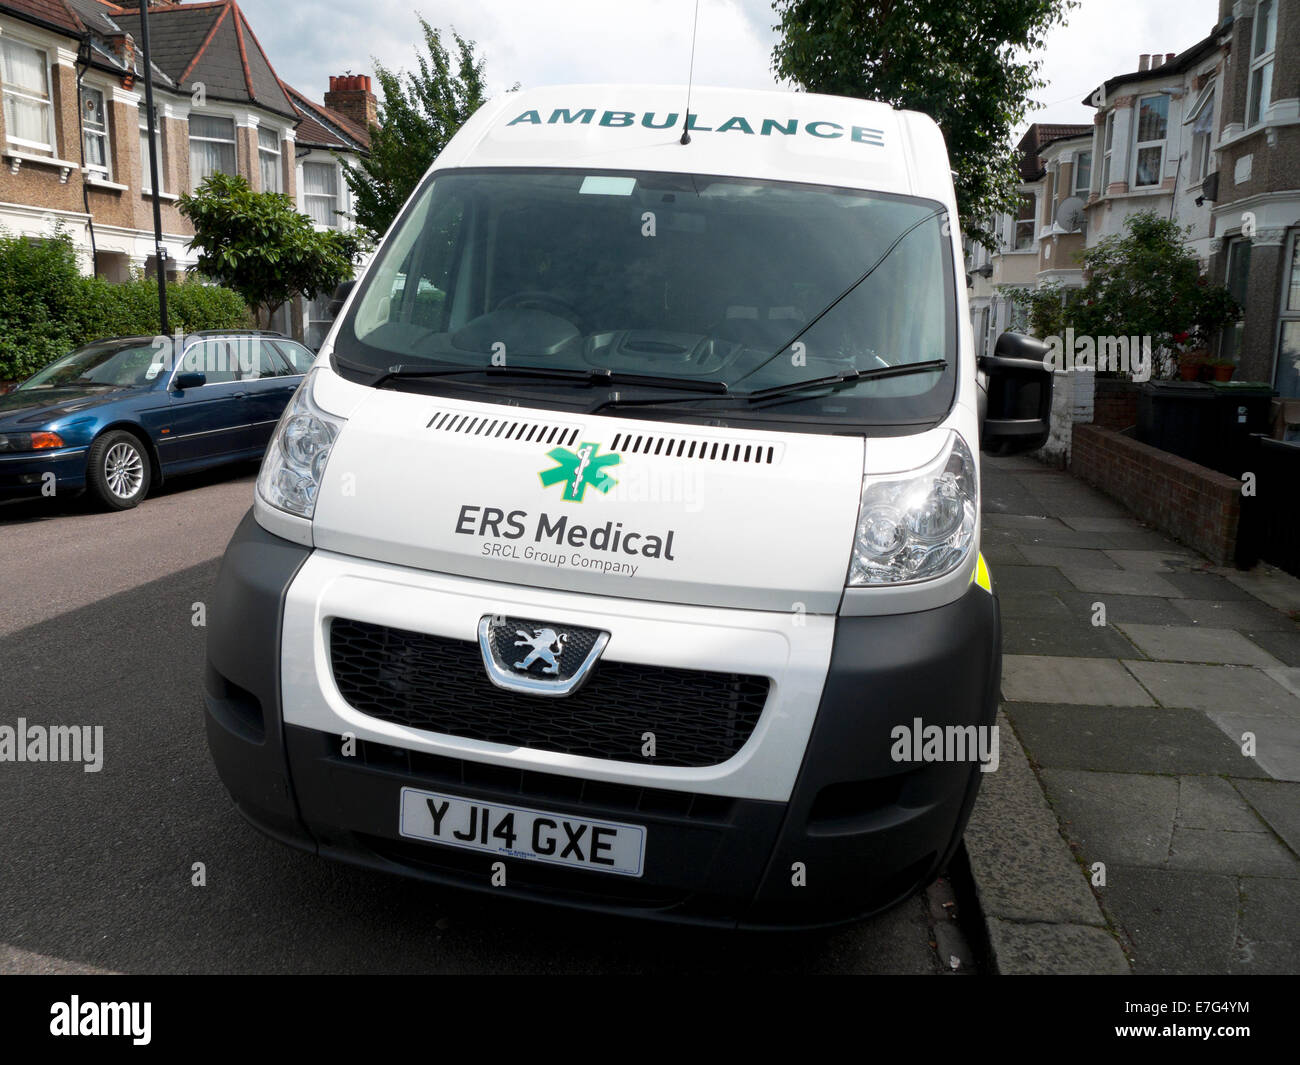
{"points": [[1018, 401], [340, 297], [182, 381]]}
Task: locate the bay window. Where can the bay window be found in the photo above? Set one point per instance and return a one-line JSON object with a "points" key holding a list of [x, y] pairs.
{"points": [[1262, 44], [28, 107], [94, 131], [146, 169], [1152, 129], [212, 147], [320, 187], [1025, 222], [1108, 138], [268, 157]]}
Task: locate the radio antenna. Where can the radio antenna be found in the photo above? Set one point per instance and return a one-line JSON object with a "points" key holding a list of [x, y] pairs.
{"points": [[690, 76]]}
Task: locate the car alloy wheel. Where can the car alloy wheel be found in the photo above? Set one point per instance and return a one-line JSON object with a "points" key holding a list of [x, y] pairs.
{"points": [[124, 470]]}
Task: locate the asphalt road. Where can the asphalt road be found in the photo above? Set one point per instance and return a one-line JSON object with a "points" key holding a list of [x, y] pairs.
{"points": [[96, 629]]}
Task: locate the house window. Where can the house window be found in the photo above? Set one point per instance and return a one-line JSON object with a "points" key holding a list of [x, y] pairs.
{"points": [[94, 131], [1238, 279], [146, 169], [29, 114], [1287, 376], [212, 147], [1082, 174], [1025, 222], [1152, 128], [1108, 138], [1262, 43], [1202, 137], [268, 156], [320, 187]]}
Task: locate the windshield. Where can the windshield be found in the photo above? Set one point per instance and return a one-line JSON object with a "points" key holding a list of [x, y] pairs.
{"points": [[681, 278], [109, 363]]}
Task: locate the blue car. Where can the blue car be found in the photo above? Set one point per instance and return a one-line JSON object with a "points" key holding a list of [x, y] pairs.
{"points": [[118, 416]]}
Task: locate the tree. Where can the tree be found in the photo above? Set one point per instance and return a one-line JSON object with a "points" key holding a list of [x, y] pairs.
{"points": [[418, 115], [968, 65], [1146, 282], [258, 244]]}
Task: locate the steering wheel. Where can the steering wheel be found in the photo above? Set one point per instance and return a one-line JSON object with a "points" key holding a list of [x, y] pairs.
{"points": [[535, 299]]}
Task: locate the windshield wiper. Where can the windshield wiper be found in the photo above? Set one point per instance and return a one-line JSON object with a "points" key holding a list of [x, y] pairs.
{"points": [[591, 377], [843, 295], [842, 380]]}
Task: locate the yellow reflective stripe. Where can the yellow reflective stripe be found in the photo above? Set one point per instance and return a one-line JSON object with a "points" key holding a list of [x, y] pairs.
{"points": [[980, 575]]}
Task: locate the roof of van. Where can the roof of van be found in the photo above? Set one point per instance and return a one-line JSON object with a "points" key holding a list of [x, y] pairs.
{"points": [[786, 136]]}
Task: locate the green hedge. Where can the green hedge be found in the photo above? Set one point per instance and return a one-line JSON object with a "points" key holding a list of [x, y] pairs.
{"points": [[47, 308]]}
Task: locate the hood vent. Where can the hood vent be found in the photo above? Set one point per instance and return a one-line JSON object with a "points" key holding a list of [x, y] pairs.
{"points": [[495, 427], [686, 447]]}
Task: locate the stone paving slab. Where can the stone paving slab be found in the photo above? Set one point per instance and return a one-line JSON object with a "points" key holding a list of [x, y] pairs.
{"points": [[1128, 739], [1212, 803], [1174, 560], [1209, 586], [1278, 803], [1139, 609], [1027, 579], [1041, 636], [1047, 678], [1268, 931], [1115, 817], [1203, 687], [1028, 605], [1276, 740], [1119, 582], [1076, 557], [1234, 615], [1282, 645], [1268, 584], [1174, 921], [1192, 643], [1217, 851]]}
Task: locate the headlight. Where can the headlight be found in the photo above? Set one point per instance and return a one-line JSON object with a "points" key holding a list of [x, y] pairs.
{"points": [[29, 441], [917, 525], [294, 466]]}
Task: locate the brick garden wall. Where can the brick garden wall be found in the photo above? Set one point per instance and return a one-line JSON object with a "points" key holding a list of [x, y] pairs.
{"points": [[1115, 403], [1198, 506]]}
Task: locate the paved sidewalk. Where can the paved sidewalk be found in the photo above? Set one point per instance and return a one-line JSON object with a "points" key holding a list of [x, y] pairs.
{"points": [[1135, 675]]}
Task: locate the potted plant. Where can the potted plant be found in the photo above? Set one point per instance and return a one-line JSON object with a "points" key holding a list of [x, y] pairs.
{"points": [[1222, 369], [1191, 363]]}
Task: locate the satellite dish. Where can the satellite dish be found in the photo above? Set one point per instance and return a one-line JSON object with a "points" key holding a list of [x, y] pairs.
{"points": [[1069, 215]]}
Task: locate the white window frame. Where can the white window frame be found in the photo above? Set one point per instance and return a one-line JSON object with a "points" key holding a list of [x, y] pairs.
{"points": [[1077, 189], [143, 123], [48, 102], [263, 151], [1202, 113], [1138, 146], [336, 199], [1032, 222], [1286, 313], [87, 132], [1261, 61], [233, 142], [1107, 149]]}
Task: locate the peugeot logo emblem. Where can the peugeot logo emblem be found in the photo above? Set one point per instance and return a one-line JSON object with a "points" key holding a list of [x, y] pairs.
{"points": [[538, 657]]}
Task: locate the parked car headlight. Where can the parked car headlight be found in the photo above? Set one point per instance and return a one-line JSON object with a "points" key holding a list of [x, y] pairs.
{"points": [[294, 466], [29, 441], [917, 525]]}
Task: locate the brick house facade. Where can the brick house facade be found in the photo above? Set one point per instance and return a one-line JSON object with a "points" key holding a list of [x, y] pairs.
{"points": [[73, 146]]}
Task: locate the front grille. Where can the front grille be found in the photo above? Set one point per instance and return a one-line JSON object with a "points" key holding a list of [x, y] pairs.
{"points": [[697, 718]]}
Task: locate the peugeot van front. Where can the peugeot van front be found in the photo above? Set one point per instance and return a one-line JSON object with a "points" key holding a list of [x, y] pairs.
{"points": [[622, 548]]}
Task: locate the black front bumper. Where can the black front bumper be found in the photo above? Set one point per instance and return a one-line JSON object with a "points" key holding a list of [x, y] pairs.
{"points": [[860, 832]]}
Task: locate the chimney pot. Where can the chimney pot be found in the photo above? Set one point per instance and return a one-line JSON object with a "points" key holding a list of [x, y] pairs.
{"points": [[1169, 56], [1144, 62], [1156, 60], [333, 83]]}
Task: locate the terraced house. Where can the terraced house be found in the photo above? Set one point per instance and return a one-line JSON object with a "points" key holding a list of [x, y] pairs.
{"points": [[73, 134]]}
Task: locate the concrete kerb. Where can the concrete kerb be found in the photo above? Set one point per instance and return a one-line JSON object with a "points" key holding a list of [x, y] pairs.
{"points": [[1040, 915]]}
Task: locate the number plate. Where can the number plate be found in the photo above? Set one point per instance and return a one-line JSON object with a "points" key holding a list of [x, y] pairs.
{"points": [[515, 832]]}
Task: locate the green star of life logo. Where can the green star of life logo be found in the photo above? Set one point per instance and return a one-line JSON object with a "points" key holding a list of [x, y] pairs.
{"points": [[580, 470]]}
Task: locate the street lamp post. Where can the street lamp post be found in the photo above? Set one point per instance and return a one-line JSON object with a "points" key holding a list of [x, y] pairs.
{"points": [[160, 252]]}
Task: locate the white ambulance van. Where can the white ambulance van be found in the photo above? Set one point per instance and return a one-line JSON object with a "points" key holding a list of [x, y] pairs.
{"points": [[624, 540]]}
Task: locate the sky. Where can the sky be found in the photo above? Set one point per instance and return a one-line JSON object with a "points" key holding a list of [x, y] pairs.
{"points": [[551, 42]]}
